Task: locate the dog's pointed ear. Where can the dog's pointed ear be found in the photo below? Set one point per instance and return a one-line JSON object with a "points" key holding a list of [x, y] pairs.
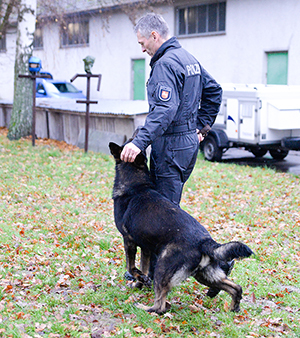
{"points": [[115, 150], [140, 160]]}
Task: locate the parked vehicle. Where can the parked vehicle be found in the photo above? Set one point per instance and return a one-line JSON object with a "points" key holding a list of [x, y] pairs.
{"points": [[57, 89], [45, 74], [257, 118]]}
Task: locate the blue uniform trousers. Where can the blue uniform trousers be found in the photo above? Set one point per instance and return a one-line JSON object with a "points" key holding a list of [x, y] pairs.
{"points": [[172, 160]]}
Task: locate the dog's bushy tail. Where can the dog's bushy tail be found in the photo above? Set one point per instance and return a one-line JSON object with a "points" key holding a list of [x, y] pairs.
{"points": [[228, 251], [232, 250]]}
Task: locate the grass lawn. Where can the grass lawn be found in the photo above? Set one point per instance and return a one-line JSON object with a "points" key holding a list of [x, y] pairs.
{"points": [[62, 262]]}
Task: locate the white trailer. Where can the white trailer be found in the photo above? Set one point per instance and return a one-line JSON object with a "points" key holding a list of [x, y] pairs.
{"points": [[257, 118]]}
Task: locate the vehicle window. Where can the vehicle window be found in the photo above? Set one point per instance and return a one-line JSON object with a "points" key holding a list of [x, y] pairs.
{"points": [[66, 87], [40, 87]]}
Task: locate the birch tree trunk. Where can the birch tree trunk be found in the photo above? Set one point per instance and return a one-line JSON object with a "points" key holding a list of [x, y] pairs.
{"points": [[21, 118]]}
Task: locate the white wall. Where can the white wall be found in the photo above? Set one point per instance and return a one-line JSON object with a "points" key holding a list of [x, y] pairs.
{"points": [[253, 27], [7, 63], [113, 50]]}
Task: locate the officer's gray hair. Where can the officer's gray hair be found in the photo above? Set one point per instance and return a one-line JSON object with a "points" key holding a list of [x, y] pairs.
{"points": [[152, 22]]}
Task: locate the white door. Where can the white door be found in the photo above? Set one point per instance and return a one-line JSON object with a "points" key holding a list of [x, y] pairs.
{"points": [[247, 121]]}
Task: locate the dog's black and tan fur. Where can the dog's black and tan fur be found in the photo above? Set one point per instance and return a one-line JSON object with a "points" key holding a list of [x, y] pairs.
{"points": [[183, 247]]}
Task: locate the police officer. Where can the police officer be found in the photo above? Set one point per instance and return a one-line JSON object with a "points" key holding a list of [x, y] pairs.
{"points": [[184, 101]]}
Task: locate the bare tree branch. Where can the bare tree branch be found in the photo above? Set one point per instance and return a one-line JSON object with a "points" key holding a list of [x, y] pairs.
{"points": [[7, 9]]}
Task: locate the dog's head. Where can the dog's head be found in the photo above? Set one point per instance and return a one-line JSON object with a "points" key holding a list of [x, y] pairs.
{"points": [[129, 175], [116, 150]]}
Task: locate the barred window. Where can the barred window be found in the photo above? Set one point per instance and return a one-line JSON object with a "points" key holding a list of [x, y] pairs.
{"points": [[38, 38], [75, 32], [201, 19], [3, 43]]}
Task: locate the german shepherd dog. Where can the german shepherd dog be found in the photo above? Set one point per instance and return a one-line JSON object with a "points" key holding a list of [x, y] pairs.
{"points": [[182, 246]]}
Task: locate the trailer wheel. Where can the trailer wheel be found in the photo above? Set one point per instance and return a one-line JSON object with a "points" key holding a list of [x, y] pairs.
{"points": [[258, 152], [278, 154], [210, 149]]}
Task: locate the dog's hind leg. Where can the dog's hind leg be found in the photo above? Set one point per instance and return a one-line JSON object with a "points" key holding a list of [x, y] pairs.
{"points": [[227, 268], [160, 303], [172, 268], [234, 290]]}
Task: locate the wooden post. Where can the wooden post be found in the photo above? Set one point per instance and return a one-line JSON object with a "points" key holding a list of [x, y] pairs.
{"points": [[87, 102]]}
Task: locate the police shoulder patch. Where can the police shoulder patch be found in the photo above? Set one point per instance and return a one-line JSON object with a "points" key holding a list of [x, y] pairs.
{"points": [[164, 93]]}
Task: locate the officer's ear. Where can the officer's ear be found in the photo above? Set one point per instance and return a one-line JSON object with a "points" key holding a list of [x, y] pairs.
{"points": [[155, 35]]}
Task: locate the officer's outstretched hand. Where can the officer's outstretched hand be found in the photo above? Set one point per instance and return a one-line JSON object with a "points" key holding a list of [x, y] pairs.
{"points": [[130, 152]]}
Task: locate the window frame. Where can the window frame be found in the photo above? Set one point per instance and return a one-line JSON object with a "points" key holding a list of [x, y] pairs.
{"points": [[3, 44], [82, 37], [39, 39], [183, 12]]}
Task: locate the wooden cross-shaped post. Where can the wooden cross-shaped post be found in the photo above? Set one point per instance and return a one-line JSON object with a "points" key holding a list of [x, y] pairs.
{"points": [[87, 102]]}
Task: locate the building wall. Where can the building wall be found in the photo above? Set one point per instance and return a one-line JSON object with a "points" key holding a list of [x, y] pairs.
{"points": [[7, 63], [253, 28], [112, 48]]}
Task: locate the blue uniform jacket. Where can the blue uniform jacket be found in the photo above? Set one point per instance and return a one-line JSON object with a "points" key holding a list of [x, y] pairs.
{"points": [[180, 91]]}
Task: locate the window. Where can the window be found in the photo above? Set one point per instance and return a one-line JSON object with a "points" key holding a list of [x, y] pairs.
{"points": [[277, 72], [246, 109], [75, 32], [3, 44], [201, 19], [65, 87], [38, 38], [40, 89]]}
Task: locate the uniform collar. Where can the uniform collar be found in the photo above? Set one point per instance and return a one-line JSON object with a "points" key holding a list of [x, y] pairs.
{"points": [[171, 43]]}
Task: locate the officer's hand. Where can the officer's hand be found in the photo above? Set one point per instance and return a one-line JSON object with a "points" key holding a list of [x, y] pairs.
{"points": [[200, 136], [129, 152]]}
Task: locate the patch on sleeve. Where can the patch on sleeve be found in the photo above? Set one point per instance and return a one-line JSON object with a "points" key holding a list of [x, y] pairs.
{"points": [[164, 93]]}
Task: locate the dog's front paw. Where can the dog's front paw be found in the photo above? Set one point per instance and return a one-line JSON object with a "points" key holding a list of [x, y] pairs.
{"points": [[154, 309], [160, 310]]}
